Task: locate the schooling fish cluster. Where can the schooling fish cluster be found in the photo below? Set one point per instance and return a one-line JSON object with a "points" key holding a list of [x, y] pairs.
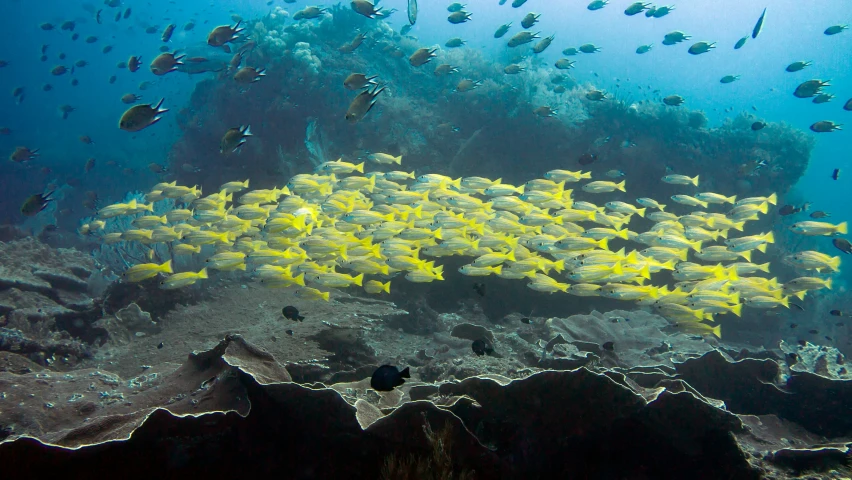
{"points": [[388, 224]]}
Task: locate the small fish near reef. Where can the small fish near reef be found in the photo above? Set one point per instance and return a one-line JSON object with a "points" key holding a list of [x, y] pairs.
{"points": [[292, 313], [234, 138], [388, 377], [482, 346], [35, 204]]}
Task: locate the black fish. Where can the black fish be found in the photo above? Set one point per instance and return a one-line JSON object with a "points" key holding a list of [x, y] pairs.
{"points": [[792, 358], [36, 203], [757, 126], [797, 306], [480, 289], [829, 338], [819, 214], [608, 346], [803, 343], [837, 313], [835, 173], [843, 245], [588, 158], [482, 347], [794, 325], [98, 16], [387, 377], [526, 320], [292, 313], [788, 210], [813, 332], [289, 332], [160, 345]]}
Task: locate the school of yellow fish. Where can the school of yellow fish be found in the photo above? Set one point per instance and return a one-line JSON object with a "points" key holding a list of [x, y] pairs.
{"points": [[393, 224]]}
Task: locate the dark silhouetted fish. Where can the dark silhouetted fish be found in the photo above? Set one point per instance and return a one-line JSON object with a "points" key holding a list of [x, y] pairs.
{"points": [[482, 346], [388, 377], [292, 313]]}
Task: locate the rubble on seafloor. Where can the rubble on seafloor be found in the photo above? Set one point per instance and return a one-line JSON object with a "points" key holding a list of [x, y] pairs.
{"points": [[598, 395]]}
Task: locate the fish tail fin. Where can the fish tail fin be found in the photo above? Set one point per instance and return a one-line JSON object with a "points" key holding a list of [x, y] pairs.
{"points": [[437, 233], [510, 256], [325, 296], [360, 167], [166, 267], [697, 246], [386, 287], [359, 280], [623, 233], [732, 199], [769, 237], [843, 228], [761, 248], [343, 252], [641, 212], [699, 314], [828, 283], [398, 160], [703, 204], [717, 330], [645, 272], [604, 243], [773, 199], [620, 186], [694, 180], [203, 273], [299, 280], [785, 301], [498, 269], [683, 254], [616, 269], [723, 234], [834, 263]]}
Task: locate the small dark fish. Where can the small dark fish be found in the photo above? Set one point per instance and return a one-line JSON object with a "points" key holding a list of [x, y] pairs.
{"points": [[835, 174], [59, 70], [160, 345], [837, 313], [482, 347], [802, 343], [86, 139], [759, 25], [813, 332], [794, 325], [91, 39], [788, 210], [797, 306], [112, 79], [167, 33], [107, 49], [388, 377], [820, 214], [35, 204], [608, 346], [828, 338], [98, 16], [289, 332], [127, 13], [292, 313], [479, 288], [189, 26], [792, 358], [134, 63], [90, 164], [157, 168], [843, 245], [74, 82], [234, 138], [138, 117], [587, 158], [757, 126], [526, 320]]}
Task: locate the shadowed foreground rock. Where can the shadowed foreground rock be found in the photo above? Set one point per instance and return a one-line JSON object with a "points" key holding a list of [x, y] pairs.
{"points": [[234, 411]]}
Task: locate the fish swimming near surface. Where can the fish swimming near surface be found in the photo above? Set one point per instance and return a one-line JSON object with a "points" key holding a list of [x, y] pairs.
{"points": [[412, 12], [223, 34], [388, 377], [759, 25]]}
